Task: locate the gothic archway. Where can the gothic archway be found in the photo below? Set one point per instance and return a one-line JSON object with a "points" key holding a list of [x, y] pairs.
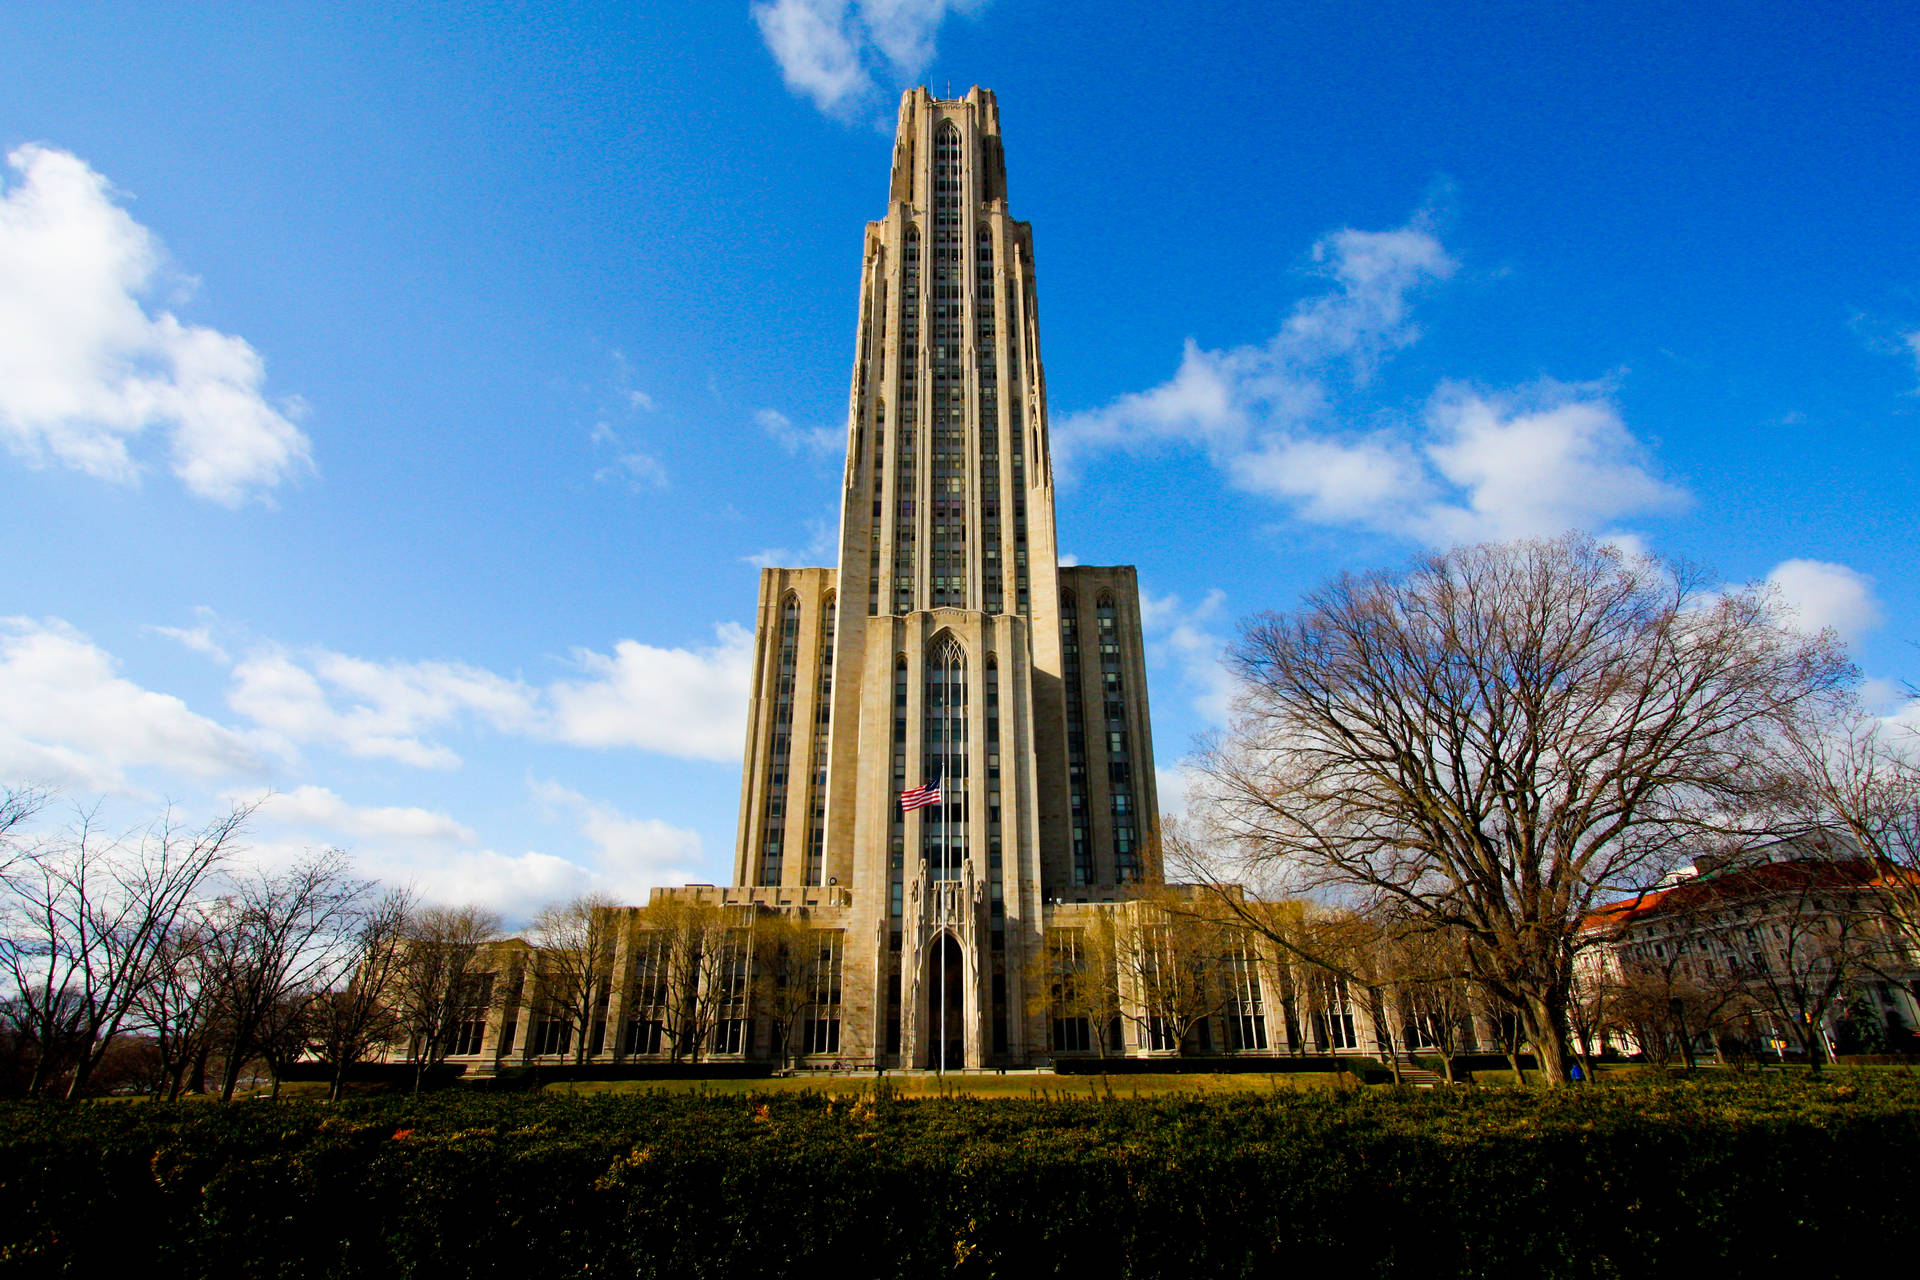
{"points": [[945, 988]]}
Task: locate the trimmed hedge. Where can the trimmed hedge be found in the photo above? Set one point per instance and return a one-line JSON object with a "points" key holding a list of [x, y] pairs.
{"points": [[1064, 1065], [1738, 1176]]}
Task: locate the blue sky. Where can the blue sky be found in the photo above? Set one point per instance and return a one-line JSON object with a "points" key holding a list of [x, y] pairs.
{"points": [[396, 401]]}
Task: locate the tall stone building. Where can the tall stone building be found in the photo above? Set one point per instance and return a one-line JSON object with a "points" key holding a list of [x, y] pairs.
{"points": [[949, 647], [1004, 925]]}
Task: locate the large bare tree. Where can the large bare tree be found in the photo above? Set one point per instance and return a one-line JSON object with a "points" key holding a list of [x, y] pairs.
{"points": [[1496, 737]]}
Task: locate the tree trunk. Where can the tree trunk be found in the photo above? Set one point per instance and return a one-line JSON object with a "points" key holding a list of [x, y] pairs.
{"points": [[1546, 1021]]}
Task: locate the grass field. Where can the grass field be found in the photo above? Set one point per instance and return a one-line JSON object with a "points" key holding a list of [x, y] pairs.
{"points": [[1151, 1177], [1014, 1085]]}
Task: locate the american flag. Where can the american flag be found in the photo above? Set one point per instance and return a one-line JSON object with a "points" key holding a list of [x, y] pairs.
{"points": [[920, 797]]}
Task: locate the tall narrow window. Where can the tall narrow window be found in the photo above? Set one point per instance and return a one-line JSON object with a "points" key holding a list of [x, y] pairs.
{"points": [[998, 908], [947, 513], [897, 842], [1126, 841], [780, 753], [1076, 738], [817, 783], [904, 487], [943, 738]]}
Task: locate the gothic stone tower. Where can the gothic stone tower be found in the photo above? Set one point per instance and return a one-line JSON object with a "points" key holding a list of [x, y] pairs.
{"points": [[949, 644]]}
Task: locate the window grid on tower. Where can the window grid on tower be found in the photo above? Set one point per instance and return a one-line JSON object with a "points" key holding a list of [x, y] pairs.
{"points": [[1076, 737], [1126, 853], [992, 570], [903, 483], [873, 529], [780, 755], [943, 741], [993, 783], [948, 516], [817, 785], [897, 841]]}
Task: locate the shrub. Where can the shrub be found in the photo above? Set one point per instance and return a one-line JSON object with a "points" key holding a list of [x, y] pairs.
{"points": [[1649, 1178]]}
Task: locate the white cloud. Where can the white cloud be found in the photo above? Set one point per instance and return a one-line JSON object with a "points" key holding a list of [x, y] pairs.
{"points": [[820, 545], [1477, 465], [637, 470], [85, 369], [68, 716], [820, 441], [373, 710], [1228, 402], [1182, 638], [319, 807], [680, 702], [1822, 594], [831, 50], [631, 855], [1177, 787], [199, 639], [515, 885]]}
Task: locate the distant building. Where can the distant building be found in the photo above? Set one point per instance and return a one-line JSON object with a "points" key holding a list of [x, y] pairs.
{"points": [[1793, 945]]}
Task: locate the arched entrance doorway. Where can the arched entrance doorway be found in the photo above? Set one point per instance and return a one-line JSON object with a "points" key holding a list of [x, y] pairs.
{"points": [[946, 986]]}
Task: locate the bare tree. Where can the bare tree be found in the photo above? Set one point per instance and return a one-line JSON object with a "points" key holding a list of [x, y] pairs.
{"points": [[1078, 982], [701, 951], [1424, 968], [279, 941], [1496, 737], [795, 973], [362, 1012], [1807, 929], [1847, 774], [442, 979], [18, 807], [180, 1006], [573, 949], [1170, 956], [90, 920]]}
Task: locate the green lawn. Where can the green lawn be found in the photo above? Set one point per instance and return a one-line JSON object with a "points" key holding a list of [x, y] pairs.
{"points": [[1027, 1085]]}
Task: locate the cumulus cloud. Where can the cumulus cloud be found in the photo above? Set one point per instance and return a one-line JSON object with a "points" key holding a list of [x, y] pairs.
{"points": [[631, 855], [370, 709], [68, 716], [832, 50], [1184, 639], [820, 545], [319, 807], [680, 702], [199, 639], [86, 368], [1822, 595], [629, 465], [817, 441], [1475, 464]]}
